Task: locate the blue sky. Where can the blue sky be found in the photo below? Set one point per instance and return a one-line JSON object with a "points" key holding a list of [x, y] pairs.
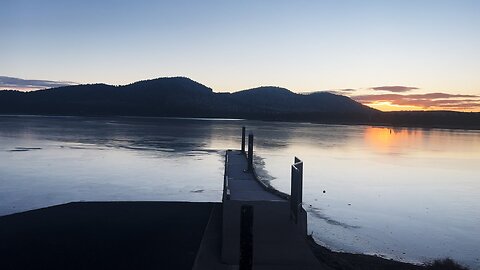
{"points": [[233, 45]]}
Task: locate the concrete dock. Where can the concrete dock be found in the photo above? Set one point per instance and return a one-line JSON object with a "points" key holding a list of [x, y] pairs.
{"points": [[242, 184], [279, 242]]}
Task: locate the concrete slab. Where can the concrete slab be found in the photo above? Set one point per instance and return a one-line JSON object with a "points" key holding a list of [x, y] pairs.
{"points": [[208, 256], [104, 235]]}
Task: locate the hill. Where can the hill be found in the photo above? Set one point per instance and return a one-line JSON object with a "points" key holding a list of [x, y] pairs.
{"points": [[183, 97], [177, 96]]}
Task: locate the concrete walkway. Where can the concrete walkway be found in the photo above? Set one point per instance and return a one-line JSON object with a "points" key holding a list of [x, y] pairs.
{"points": [[242, 184], [278, 242]]}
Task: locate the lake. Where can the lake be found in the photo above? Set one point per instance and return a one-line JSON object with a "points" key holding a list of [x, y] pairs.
{"points": [[404, 193]]}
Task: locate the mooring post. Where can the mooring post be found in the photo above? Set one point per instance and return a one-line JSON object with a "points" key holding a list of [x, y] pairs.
{"points": [[246, 237], [250, 152], [243, 139], [296, 187], [293, 194], [299, 165]]}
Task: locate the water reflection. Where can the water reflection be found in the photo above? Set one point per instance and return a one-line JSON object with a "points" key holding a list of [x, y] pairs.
{"points": [[392, 140], [139, 134]]}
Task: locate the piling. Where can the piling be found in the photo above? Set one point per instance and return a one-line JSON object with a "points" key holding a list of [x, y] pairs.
{"points": [[296, 186], [243, 139], [250, 152]]}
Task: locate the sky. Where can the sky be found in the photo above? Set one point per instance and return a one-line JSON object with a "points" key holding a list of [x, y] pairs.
{"points": [[391, 55]]}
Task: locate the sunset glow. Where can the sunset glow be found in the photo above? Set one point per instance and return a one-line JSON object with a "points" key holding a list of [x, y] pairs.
{"points": [[416, 102], [389, 107], [386, 106]]}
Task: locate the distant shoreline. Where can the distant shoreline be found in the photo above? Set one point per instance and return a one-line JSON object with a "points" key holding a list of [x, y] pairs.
{"points": [[181, 97], [373, 124]]}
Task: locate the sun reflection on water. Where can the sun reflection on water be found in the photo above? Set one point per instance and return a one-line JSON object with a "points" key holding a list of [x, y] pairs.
{"points": [[391, 140]]}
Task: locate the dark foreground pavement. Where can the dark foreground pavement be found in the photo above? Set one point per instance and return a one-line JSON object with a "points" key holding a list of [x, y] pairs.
{"points": [[104, 235]]}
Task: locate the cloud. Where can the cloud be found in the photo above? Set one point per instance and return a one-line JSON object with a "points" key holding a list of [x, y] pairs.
{"points": [[395, 89], [440, 95], [23, 84], [425, 101], [343, 92], [389, 97]]}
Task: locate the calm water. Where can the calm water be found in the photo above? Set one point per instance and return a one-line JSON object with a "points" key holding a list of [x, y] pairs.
{"points": [[408, 194]]}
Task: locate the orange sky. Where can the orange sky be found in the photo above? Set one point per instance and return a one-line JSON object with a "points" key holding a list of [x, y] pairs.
{"points": [[423, 101]]}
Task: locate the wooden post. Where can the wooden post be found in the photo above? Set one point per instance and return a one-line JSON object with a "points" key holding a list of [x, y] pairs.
{"points": [[250, 152], [243, 139], [246, 237]]}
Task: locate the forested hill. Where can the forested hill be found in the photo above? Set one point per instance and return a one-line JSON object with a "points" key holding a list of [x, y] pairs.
{"points": [[183, 97], [172, 97]]}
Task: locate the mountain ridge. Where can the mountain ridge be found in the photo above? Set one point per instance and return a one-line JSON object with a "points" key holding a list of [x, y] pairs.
{"points": [[184, 97]]}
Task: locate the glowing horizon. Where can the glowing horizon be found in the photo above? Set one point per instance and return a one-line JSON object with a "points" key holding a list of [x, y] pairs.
{"points": [[388, 107]]}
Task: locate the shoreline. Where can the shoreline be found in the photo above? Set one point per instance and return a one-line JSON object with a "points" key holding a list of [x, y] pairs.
{"points": [[207, 118], [359, 261], [347, 261]]}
